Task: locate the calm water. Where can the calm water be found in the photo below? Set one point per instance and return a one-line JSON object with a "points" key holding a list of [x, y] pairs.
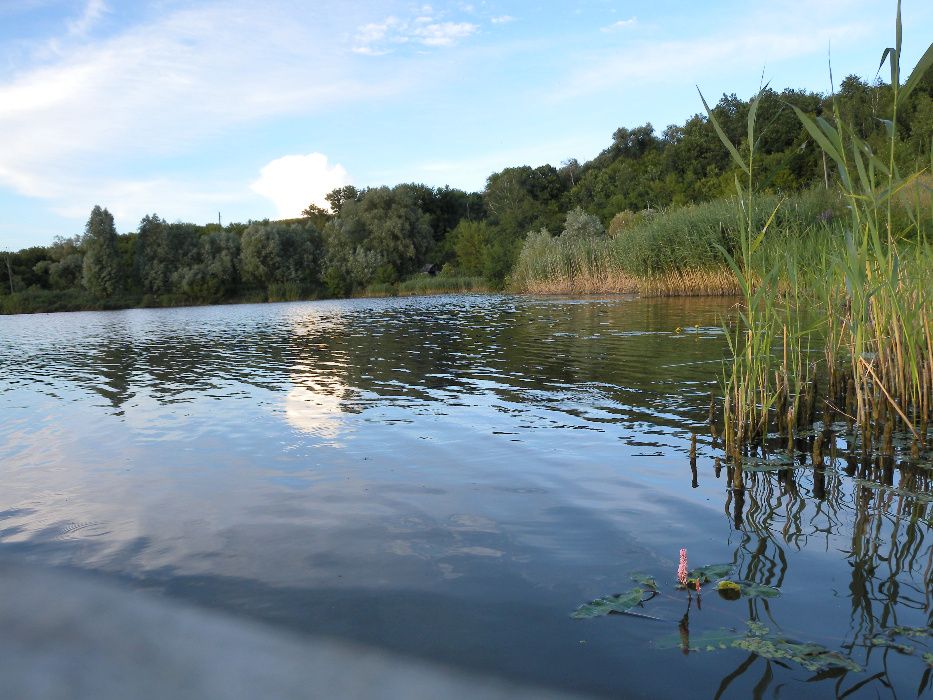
{"points": [[450, 478]]}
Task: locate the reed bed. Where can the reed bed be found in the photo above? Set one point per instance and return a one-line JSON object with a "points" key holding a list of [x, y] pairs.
{"points": [[676, 252], [863, 295]]}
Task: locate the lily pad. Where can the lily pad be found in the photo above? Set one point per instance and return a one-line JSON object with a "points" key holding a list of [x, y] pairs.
{"points": [[619, 603], [928, 657]]}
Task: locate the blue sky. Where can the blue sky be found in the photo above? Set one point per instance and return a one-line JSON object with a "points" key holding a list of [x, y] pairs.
{"points": [[189, 107]]}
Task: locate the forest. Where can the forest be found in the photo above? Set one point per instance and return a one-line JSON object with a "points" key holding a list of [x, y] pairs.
{"points": [[667, 186]]}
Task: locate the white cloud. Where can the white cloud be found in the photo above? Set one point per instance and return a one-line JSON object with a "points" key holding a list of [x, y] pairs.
{"points": [[425, 29], [502, 19], [93, 11], [292, 182], [621, 24], [75, 127]]}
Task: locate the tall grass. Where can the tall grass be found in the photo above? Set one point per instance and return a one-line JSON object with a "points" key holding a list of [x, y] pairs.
{"points": [[869, 279], [671, 252]]}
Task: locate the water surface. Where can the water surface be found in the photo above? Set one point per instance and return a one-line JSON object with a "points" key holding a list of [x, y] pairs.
{"points": [[449, 478]]}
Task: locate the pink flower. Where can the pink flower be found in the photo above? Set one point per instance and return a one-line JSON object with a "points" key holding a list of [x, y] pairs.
{"points": [[698, 585], [682, 569]]}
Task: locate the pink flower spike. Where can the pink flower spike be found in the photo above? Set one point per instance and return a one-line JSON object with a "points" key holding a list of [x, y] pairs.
{"points": [[682, 569], [698, 585]]}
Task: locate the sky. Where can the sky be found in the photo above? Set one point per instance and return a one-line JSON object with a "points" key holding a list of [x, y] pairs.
{"points": [[197, 108]]}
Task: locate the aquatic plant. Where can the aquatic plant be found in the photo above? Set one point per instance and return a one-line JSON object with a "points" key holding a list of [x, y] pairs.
{"points": [[682, 568], [872, 283]]}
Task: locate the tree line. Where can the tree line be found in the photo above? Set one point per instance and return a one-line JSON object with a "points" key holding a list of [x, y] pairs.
{"points": [[381, 235]]}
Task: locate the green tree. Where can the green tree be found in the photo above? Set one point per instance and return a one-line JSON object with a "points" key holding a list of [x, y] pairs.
{"points": [[580, 225], [100, 270], [471, 244], [280, 254]]}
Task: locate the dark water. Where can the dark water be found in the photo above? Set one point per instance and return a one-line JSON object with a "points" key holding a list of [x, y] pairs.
{"points": [[450, 478]]}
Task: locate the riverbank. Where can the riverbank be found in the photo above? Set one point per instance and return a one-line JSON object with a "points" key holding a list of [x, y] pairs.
{"points": [[33, 301]]}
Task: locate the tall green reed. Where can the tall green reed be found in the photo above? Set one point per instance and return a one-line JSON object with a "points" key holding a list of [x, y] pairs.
{"points": [[871, 290]]}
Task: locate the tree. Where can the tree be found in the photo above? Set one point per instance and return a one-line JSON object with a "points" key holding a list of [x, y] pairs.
{"points": [[280, 254], [580, 225], [340, 196], [471, 244], [101, 271]]}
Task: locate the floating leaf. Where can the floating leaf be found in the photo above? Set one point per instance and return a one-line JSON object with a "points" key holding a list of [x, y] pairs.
{"points": [[759, 640], [751, 589], [710, 640], [915, 632], [710, 572], [928, 657], [885, 641], [620, 603], [813, 657], [646, 582]]}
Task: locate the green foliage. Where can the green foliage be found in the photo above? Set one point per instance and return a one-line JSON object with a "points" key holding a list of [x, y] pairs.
{"points": [[580, 225], [471, 245], [425, 284], [100, 267], [750, 589], [710, 572], [273, 254]]}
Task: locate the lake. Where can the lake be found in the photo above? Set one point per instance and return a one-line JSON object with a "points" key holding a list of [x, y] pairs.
{"points": [[451, 478]]}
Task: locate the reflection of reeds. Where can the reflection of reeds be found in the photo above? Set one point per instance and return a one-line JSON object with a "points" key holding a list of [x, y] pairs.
{"points": [[872, 283]]}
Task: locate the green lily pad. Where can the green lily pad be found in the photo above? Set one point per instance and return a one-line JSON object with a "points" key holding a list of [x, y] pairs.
{"points": [[928, 657], [619, 603]]}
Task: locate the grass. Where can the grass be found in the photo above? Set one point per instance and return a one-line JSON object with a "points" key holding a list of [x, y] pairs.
{"points": [[441, 284]]}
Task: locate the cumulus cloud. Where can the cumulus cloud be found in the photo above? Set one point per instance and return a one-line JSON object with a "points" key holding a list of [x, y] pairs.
{"points": [[294, 181], [425, 29]]}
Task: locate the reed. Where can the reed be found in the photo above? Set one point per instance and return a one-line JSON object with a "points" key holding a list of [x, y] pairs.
{"points": [[868, 279]]}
